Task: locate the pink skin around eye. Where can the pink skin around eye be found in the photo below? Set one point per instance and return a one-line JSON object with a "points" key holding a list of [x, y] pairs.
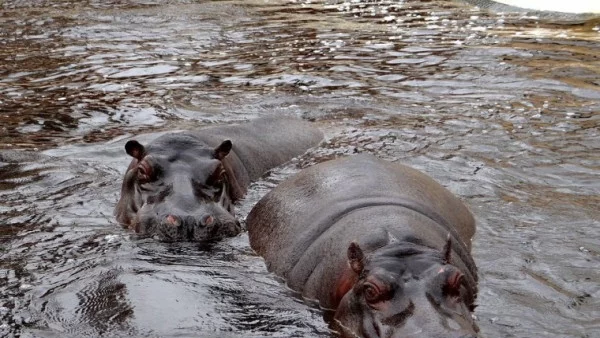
{"points": [[344, 284]]}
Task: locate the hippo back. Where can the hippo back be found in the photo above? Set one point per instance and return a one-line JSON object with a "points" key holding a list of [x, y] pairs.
{"points": [[303, 227], [266, 142]]}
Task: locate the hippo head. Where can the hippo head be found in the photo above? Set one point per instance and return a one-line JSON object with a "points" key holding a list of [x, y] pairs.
{"points": [[405, 290], [177, 189]]}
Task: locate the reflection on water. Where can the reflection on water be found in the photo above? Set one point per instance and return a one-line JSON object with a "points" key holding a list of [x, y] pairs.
{"points": [[502, 108]]}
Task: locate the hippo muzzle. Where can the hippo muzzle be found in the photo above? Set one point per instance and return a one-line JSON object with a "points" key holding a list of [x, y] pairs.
{"points": [[406, 291], [208, 221]]}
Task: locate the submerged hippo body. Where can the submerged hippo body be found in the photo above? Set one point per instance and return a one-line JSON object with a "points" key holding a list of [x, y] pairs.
{"points": [[383, 245], [182, 185]]}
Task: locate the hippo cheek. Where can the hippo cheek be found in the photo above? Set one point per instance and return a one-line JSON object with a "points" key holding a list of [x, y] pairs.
{"points": [[356, 326], [232, 228], [128, 209], [145, 221], [350, 318]]}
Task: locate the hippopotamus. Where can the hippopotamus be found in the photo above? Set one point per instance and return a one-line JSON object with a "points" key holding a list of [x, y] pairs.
{"points": [[382, 246], [182, 186]]}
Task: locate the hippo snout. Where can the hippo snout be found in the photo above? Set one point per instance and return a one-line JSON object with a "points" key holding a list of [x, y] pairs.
{"points": [[175, 221], [206, 223], [185, 227], [197, 227]]}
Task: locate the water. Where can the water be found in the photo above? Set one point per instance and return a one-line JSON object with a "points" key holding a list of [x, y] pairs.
{"points": [[502, 108]]}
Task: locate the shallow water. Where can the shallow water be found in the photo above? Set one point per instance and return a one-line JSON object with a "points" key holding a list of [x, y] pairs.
{"points": [[502, 108]]}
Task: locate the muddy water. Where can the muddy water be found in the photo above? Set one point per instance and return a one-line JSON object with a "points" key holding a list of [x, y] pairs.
{"points": [[502, 108]]}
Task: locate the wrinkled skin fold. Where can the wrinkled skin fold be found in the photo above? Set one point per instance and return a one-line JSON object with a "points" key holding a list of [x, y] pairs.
{"points": [[183, 186], [382, 245]]}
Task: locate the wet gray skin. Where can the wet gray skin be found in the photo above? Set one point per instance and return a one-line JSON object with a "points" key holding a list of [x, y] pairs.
{"points": [[382, 245], [176, 189]]}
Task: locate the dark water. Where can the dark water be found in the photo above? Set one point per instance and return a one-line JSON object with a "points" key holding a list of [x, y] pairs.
{"points": [[503, 109]]}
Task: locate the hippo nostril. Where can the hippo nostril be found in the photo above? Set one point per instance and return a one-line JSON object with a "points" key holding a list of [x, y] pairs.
{"points": [[207, 220], [173, 220]]}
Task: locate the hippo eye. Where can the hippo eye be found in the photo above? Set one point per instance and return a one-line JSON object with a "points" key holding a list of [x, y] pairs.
{"points": [[372, 293], [144, 172]]}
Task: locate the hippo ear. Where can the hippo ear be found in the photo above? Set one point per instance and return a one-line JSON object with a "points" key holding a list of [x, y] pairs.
{"points": [[222, 150], [447, 250], [356, 258], [135, 149]]}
